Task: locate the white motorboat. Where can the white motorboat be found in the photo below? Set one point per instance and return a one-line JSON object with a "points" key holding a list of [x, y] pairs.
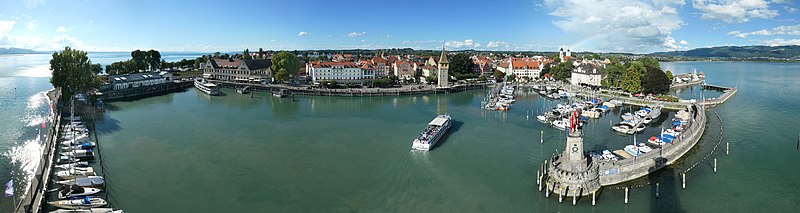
{"points": [[644, 148], [83, 203], [75, 173], [608, 155], [561, 124], [76, 191], [432, 133], [647, 119], [205, 86], [72, 165], [623, 128], [633, 150], [655, 112], [89, 210], [91, 181], [643, 112], [627, 116], [640, 127]]}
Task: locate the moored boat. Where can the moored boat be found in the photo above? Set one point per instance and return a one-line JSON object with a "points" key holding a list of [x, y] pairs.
{"points": [[205, 86], [91, 181], [432, 133], [83, 203], [89, 210], [76, 191]]}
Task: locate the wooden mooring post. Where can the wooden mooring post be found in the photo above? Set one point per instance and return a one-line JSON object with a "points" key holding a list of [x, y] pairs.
{"points": [[683, 179], [560, 195], [574, 197], [657, 189], [541, 139], [626, 195], [715, 165], [593, 199], [546, 190]]}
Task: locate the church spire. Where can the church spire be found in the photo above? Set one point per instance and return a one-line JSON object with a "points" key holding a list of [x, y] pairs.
{"points": [[443, 58]]}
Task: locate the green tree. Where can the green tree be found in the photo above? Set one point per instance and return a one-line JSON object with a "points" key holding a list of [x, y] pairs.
{"points": [[246, 55], [649, 62], [614, 72], [217, 54], [562, 71], [260, 53], [153, 59], [498, 76], [97, 68], [287, 62], [281, 74], [631, 81], [669, 75], [461, 63], [655, 81], [72, 71]]}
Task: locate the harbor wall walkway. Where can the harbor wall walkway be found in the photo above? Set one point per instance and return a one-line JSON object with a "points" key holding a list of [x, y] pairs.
{"points": [[629, 169], [354, 92]]}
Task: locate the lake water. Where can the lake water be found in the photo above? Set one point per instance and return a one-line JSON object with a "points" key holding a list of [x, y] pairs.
{"points": [[188, 152]]}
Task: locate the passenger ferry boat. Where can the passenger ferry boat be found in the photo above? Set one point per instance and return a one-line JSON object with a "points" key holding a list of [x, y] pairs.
{"points": [[206, 87], [436, 128]]}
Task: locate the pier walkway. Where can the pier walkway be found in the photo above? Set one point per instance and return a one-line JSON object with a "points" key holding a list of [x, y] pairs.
{"points": [[686, 84], [354, 92], [626, 99]]}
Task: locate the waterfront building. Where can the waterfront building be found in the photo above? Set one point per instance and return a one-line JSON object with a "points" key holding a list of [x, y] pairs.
{"points": [[483, 65], [404, 69], [530, 68], [341, 72], [238, 70], [588, 74], [442, 69], [136, 80]]}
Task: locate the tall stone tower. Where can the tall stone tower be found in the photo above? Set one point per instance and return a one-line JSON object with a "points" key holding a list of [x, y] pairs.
{"points": [[443, 66]]}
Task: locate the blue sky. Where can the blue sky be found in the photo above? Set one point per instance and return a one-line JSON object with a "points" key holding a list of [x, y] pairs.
{"points": [[638, 26]]}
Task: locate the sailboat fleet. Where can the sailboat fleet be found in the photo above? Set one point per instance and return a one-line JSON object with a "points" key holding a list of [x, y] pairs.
{"points": [[78, 181]]}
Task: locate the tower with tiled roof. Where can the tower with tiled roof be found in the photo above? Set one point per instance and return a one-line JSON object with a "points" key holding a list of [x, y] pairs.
{"points": [[443, 66]]}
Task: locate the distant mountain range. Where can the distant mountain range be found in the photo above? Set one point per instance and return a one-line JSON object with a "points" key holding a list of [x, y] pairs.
{"points": [[18, 51], [778, 52]]}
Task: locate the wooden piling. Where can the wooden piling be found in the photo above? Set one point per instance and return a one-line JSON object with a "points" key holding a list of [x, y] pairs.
{"points": [[626, 195], [728, 147], [593, 200], [574, 197], [546, 190], [560, 195], [541, 140], [657, 189], [683, 179], [538, 178], [715, 165]]}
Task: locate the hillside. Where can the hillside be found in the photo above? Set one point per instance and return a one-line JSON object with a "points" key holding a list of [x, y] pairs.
{"points": [[777, 52]]}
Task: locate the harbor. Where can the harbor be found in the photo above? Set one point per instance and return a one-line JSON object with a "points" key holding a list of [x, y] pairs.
{"points": [[487, 153]]}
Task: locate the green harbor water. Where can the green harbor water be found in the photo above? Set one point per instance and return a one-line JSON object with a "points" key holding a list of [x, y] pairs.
{"points": [[188, 152]]}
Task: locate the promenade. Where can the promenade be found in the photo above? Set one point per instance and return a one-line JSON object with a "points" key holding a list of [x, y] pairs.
{"points": [[353, 92]]}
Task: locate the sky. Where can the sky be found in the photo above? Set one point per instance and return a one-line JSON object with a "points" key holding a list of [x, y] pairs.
{"points": [[634, 26]]}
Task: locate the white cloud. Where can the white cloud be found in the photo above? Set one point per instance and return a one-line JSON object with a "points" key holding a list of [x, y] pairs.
{"points": [[790, 9], [302, 33], [684, 42], [356, 34], [670, 43], [33, 3], [781, 42], [467, 43], [61, 29], [6, 26], [734, 11], [31, 25], [618, 25], [779, 30], [496, 44]]}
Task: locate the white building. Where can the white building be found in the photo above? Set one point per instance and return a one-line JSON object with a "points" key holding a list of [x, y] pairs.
{"points": [[238, 70], [524, 67], [341, 72], [589, 74], [134, 80]]}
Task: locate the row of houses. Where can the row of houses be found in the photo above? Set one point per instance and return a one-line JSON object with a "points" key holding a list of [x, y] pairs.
{"points": [[343, 69]]}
